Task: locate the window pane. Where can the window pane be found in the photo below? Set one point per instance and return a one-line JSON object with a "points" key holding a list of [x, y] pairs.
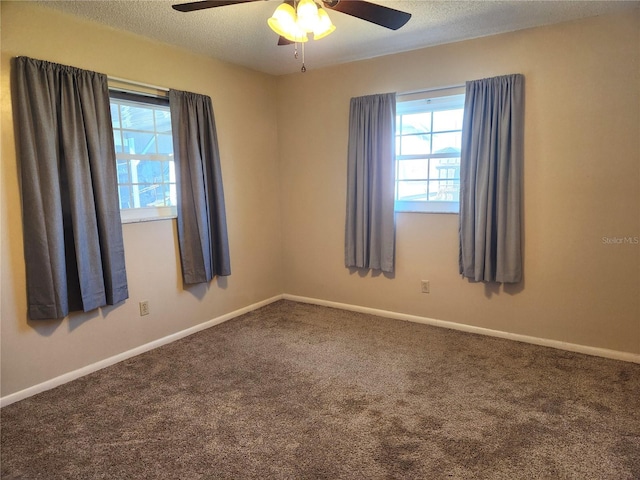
{"points": [[447, 120], [147, 171], [124, 193], [163, 121], [413, 169], [115, 119], [137, 118], [123, 171], [447, 142], [444, 168], [166, 195], [144, 156], [165, 144], [412, 191], [149, 195], [444, 190], [168, 172], [139, 143], [428, 130], [173, 195], [415, 145], [416, 123], [117, 140]]}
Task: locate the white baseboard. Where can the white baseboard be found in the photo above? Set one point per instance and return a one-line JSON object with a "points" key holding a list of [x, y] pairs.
{"points": [[571, 347], [81, 372], [75, 374]]}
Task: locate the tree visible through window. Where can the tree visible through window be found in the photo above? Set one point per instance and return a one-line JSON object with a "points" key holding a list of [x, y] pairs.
{"points": [[144, 155], [428, 140]]}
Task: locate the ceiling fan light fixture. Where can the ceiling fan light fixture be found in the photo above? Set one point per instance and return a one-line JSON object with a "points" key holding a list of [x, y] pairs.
{"points": [[324, 26], [294, 19]]}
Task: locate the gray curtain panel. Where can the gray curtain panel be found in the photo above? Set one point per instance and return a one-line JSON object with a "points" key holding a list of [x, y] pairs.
{"points": [[73, 243], [490, 180], [202, 224], [370, 221]]}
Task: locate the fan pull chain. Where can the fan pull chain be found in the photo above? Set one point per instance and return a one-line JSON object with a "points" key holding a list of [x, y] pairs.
{"points": [[303, 69]]}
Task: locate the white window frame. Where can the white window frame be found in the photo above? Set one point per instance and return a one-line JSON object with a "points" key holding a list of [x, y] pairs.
{"points": [[142, 214], [419, 105]]}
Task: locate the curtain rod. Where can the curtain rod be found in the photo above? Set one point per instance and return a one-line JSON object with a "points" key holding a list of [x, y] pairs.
{"points": [[427, 90], [137, 84]]}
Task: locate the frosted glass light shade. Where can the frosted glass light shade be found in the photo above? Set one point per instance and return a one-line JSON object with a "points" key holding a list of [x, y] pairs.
{"points": [[324, 26], [307, 15], [283, 22]]}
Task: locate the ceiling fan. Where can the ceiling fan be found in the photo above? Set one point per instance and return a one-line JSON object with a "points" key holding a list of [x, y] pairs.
{"points": [[293, 19], [370, 12]]}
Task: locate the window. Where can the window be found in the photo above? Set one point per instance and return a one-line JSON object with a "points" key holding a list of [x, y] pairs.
{"points": [[428, 140], [144, 156]]}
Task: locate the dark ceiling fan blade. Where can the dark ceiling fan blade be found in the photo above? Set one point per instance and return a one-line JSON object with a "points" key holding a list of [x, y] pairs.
{"points": [[201, 5], [371, 12], [284, 41]]}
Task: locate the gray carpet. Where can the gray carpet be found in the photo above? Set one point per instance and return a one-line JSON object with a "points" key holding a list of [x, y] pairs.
{"points": [[298, 391]]}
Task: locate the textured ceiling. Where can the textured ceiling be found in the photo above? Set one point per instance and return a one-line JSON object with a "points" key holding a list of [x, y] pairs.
{"points": [[239, 33]]}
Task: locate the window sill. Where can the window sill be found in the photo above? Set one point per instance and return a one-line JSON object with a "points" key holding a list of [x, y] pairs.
{"points": [[152, 214], [146, 219], [427, 213]]}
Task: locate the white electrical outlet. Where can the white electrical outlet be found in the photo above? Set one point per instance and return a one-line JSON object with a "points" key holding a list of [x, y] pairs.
{"points": [[144, 308], [425, 286]]}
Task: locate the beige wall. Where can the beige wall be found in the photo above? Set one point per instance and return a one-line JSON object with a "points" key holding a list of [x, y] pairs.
{"points": [[244, 103], [582, 183]]}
